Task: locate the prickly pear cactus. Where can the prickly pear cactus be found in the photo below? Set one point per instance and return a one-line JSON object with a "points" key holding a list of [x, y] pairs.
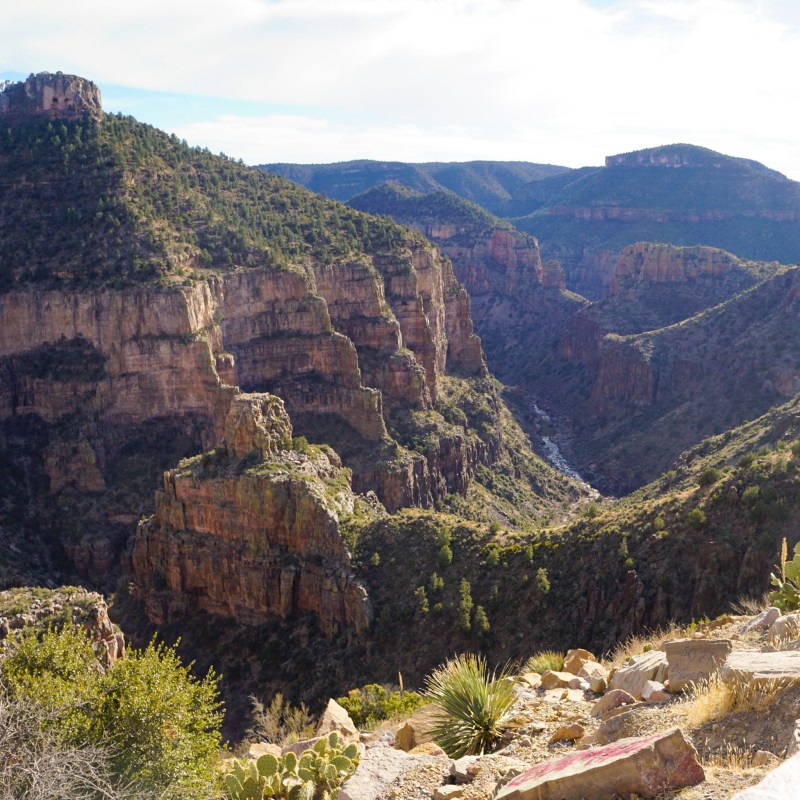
{"points": [[786, 596], [316, 775]]}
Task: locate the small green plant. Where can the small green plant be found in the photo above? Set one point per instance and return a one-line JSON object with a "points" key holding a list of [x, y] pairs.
{"points": [[445, 556], [708, 476], [659, 524], [373, 703], [751, 494], [786, 596], [421, 600], [542, 581], [480, 623], [473, 703], [464, 605], [435, 583], [543, 661], [696, 519], [316, 775]]}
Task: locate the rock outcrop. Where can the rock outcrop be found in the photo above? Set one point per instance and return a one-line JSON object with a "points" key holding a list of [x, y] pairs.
{"points": [[53, 93], [42, 608], [251, 531]]}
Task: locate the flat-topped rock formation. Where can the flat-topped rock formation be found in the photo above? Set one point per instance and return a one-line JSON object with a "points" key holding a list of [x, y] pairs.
{"points": [[51, 93]]}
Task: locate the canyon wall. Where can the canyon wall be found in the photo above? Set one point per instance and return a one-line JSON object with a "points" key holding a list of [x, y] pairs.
{"points": [[251, 531]]}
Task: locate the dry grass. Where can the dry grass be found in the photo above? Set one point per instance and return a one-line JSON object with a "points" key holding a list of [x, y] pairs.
{"points": [[750, 606], [733, 758], [713, 699], [641, 643]]}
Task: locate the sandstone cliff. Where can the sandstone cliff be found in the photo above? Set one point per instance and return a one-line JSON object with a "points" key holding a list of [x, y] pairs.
{"points": [[250, 531]]}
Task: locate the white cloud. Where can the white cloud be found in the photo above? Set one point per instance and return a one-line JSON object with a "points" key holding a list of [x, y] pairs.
{"points": [[565, 81]]}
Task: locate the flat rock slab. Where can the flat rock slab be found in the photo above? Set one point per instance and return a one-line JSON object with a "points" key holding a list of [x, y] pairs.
{"points": [[783, 783], [378, 769], [693, 660], [751, 666], [644, 766], [634, 675]]}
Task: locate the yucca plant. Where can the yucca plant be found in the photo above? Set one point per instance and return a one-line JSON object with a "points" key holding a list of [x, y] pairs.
{"points": [[472, 703]]}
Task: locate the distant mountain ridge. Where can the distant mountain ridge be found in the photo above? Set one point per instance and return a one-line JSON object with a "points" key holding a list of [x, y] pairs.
{"points": [[678, 193], [491, 184]]}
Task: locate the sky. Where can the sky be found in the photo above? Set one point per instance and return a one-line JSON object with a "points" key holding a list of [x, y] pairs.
{"points": [[550, 81]]}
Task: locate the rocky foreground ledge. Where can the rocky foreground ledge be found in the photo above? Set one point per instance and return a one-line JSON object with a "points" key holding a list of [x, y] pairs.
{"points": [[646, 728]]}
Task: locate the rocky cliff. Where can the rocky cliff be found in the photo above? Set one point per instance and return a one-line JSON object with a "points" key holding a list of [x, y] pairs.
{"points": [[55, 94], [250, 531]]}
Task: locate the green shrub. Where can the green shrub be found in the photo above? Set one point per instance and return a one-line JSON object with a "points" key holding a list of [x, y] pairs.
{"points": [[696, 519], [708, 476], [445, 556], [160, 724], [473, 703], [659, 524], [543, 661], [464, 609], [435, 583], [373, 703], [421, 601], [542, 581], [747, 459], [751, 494], [480, 623]]}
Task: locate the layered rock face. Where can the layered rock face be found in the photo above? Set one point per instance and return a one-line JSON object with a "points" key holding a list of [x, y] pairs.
{"points": [[646, 262], [134, 355], [498, 260], [53, 93], [251, 531]]}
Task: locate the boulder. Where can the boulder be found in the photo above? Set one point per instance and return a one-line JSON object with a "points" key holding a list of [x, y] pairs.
{"points": [[612, 699], [693, 660], [753, 667], [598, 685], [618, 724], [764, 758], [568, 733], [762, 621], [448, 792], [592, 669], [460, 769], [531, 679], [557, 680], [575, 659], [785, 627], [428, 749], [416, 729], [782, 782], [378, 769], [336, 718], [794, 740], [632, 677], [654, 692], [258, 749], [644, 766], [298, 748]]}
